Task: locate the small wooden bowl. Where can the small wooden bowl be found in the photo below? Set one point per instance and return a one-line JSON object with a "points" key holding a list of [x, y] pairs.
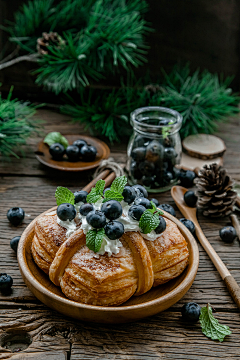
{"points": [[154, 301], [45, 158]]}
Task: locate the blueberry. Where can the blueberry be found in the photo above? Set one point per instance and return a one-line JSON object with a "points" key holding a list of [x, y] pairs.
{"points": [[147, 168], [169, 141], [144, 202], [140, 191], [191, 312], [136, 211], [163, 122], [85, 209], [140, 141], [138, 154], [57, 151], [112, 209], [189, 224], [167, 177], [73, 153], [6, 282], [114, 230], [148, 181], [186, 178], [80, 196], [228, 234], [168, 208], [15, 215], [162, 225], [88, 153], [106, 190], [14, 243], [128, 194], [190, 198], [66, 212], [79, 143], [169, 153], [155, 201], [134, 170], [96, 219], [154, 151]]}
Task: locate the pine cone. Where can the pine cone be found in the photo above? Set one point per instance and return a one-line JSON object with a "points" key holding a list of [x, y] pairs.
{"points": [[48, 39], [214, 191], [152, 88]]}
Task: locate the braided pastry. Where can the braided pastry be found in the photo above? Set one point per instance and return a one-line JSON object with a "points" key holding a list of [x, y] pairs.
{"points": [[90, 278]]}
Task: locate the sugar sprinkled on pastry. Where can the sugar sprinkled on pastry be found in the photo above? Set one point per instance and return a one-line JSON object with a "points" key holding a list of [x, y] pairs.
{"points": [[102, 248]]}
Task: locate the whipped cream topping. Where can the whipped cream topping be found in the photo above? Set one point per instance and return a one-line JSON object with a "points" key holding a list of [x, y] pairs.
{"points": [[109, 246]]}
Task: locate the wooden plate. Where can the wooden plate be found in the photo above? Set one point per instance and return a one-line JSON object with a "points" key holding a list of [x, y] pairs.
{"points": [[157, 299], [45, 158]]}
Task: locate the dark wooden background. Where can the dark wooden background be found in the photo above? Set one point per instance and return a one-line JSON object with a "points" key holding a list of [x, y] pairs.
{"points": [[205, 33]]}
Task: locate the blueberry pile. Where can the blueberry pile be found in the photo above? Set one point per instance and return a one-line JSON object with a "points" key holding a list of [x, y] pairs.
{"points": [[111, 210], [152, 162], [79, 150]]}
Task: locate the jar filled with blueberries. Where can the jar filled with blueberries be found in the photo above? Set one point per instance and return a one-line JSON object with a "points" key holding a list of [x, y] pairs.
{"points": [[155, 148]]}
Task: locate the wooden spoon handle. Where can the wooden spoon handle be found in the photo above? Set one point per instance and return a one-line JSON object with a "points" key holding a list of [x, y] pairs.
{"points": [[233, 289]]}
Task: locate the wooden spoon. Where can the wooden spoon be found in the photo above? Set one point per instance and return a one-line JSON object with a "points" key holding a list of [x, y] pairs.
{"points": [[189, 213]]}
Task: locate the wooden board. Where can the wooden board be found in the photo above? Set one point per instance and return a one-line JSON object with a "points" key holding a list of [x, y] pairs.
{"points": [[165, 336], [204, 146]]}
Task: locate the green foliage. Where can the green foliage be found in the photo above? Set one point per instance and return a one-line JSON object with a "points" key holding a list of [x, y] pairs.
{"points": [[15, 125], [94, 239], [99, 35], [55, 137], [202, 98]]}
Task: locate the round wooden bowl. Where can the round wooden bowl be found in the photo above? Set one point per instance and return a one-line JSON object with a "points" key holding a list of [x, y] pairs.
{"points": [[137, 307], [45, 158]]}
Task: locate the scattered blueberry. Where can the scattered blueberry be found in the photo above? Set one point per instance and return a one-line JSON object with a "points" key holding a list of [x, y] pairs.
{"points": [[190, 198], [15, 215], [162, 225], [144, 202], [191, 312], [96, 219], [136, 211], [138, 154], [114, 230], [88, 153], [155, 201], [112, 209], [14, 243], [79, 143], [66, 212], [228, 234], [6, 282], [186, 178], [168, 208], [140, 190], [57, 151], [81, 196], [72, 152], [189, 224], [128, 194], [85, 209]]}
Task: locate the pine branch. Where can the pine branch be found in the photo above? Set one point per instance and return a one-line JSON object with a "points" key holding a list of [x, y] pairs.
{"points": [[31, 58]]}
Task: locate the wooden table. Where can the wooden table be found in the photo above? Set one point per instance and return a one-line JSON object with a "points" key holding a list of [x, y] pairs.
{"points": [[28, 184]]}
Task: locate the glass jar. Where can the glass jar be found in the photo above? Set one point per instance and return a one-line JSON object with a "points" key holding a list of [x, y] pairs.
{"points": [[154, 148]]}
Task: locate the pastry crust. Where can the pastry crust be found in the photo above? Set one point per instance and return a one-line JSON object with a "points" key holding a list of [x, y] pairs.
{"points": [[101, 280]]}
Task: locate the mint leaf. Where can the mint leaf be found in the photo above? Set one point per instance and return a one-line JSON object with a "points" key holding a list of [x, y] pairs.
{"points": [[100, 186], [112, 195], [56, 137], [94, 239], [118, 184], [210, 326], [96, 192], [64, 195], [148, 221]]}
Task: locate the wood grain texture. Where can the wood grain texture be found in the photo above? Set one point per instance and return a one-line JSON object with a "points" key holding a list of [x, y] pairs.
{"points": [[165, 336]]}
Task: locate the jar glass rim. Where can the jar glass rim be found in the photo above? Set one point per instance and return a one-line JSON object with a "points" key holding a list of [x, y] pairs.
{"points": [[146, 127]]}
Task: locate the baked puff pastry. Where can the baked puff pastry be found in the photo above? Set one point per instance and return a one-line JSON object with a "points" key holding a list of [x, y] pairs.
{"points": [[103, 280]]}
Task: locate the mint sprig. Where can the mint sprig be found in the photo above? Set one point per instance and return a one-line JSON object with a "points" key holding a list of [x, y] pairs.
{"points": [[64, 195], [210, 326], [96, 192], [112, 195], [94, 239], [150, 219], [116, 189], [55, 137]]}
